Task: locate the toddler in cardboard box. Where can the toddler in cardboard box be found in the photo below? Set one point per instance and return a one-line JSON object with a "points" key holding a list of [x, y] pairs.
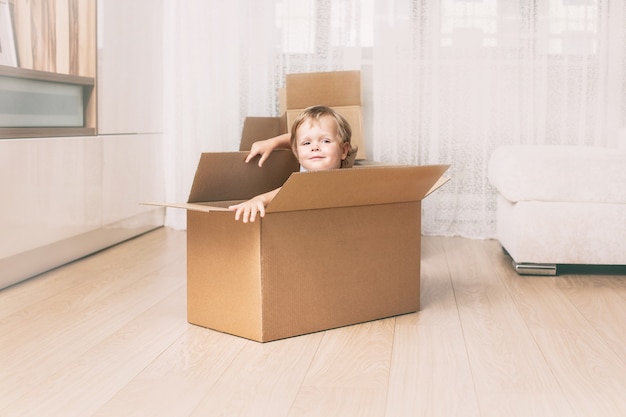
{"points": [[320, 140]]}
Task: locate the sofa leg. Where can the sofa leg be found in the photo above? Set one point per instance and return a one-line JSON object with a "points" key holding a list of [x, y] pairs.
{"points": [[523, 268]]}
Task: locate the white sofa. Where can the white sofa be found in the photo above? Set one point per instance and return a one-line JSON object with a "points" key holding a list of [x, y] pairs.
{"points": [[560, 205]]}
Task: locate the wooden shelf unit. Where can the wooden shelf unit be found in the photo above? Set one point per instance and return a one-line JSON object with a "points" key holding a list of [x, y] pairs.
{"points": [[56, 42], [87, 83]]}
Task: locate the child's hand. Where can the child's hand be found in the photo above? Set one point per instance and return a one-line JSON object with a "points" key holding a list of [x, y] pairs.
{"points": [[265, 147], [248, 210], [261, 147]]}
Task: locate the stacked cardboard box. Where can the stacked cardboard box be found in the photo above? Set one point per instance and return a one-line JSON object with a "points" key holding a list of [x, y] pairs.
{"points": [[340, 90]]}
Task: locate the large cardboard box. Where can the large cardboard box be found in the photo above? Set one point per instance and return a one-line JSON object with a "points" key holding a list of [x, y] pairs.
{"points": [[335, 247], [340, 90]]}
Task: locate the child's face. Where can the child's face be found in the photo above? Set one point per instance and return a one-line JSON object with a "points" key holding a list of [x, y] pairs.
{"points": [[318, 147]]}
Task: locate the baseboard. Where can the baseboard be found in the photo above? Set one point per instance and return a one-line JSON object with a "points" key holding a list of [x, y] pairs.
{"points": [[25, 265]]}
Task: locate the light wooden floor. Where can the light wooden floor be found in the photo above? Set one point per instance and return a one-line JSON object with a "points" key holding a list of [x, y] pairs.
{"points": [[107, 336]]}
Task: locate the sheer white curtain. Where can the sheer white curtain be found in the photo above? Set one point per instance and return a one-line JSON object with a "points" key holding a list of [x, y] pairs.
{"points": [[226, 60], [444, 81], [219, 66], [454, 79]]}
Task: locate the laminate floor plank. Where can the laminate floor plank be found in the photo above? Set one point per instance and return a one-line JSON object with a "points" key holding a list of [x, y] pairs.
{"points": [[430, 370], [510, 373], [72, 333], [107, 336], [46, 337], [262, 380], [98, 282], [72, 277], [603, 305], [86, 382], [579, 328], [349, 373], [177, 380], [591, 375]]}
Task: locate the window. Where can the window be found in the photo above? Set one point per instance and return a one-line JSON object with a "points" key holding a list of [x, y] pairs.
{"points": [[341, 23], [571, 26]]}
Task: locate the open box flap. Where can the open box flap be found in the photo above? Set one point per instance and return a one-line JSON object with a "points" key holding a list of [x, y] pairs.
{"points": [[207, 208], [356, 187], [441, 181], [260, 128], [224, 176]]}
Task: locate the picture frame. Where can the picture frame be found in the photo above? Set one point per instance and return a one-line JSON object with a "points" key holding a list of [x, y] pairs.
{"points": [[8, 53]]}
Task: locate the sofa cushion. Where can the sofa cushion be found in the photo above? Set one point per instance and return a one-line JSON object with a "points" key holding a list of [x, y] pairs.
{"points": [[559, 173]]}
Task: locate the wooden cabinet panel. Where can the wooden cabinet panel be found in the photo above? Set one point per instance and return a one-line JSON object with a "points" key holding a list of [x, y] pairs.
{"points": [[56, 35]]}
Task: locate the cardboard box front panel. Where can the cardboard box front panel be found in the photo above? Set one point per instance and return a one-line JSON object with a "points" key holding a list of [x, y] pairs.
{"points": [[223, 276], [335, 248], [334, 267]]}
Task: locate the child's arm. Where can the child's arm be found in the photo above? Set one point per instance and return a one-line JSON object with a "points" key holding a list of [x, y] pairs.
{"points": [[250, 208], [265, 147]]}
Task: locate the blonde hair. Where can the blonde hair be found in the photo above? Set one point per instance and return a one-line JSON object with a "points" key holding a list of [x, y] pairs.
{"points": [[344, 131]]}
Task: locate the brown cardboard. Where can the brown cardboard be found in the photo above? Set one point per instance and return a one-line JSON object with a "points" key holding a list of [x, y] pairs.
{"points": [[282, 100], [340, 90], [260, 128], [335, 247], [224, 176], [333, 89]]}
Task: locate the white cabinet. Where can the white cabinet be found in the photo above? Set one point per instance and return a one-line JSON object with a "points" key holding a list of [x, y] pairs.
{"points": [[67, 197]]}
